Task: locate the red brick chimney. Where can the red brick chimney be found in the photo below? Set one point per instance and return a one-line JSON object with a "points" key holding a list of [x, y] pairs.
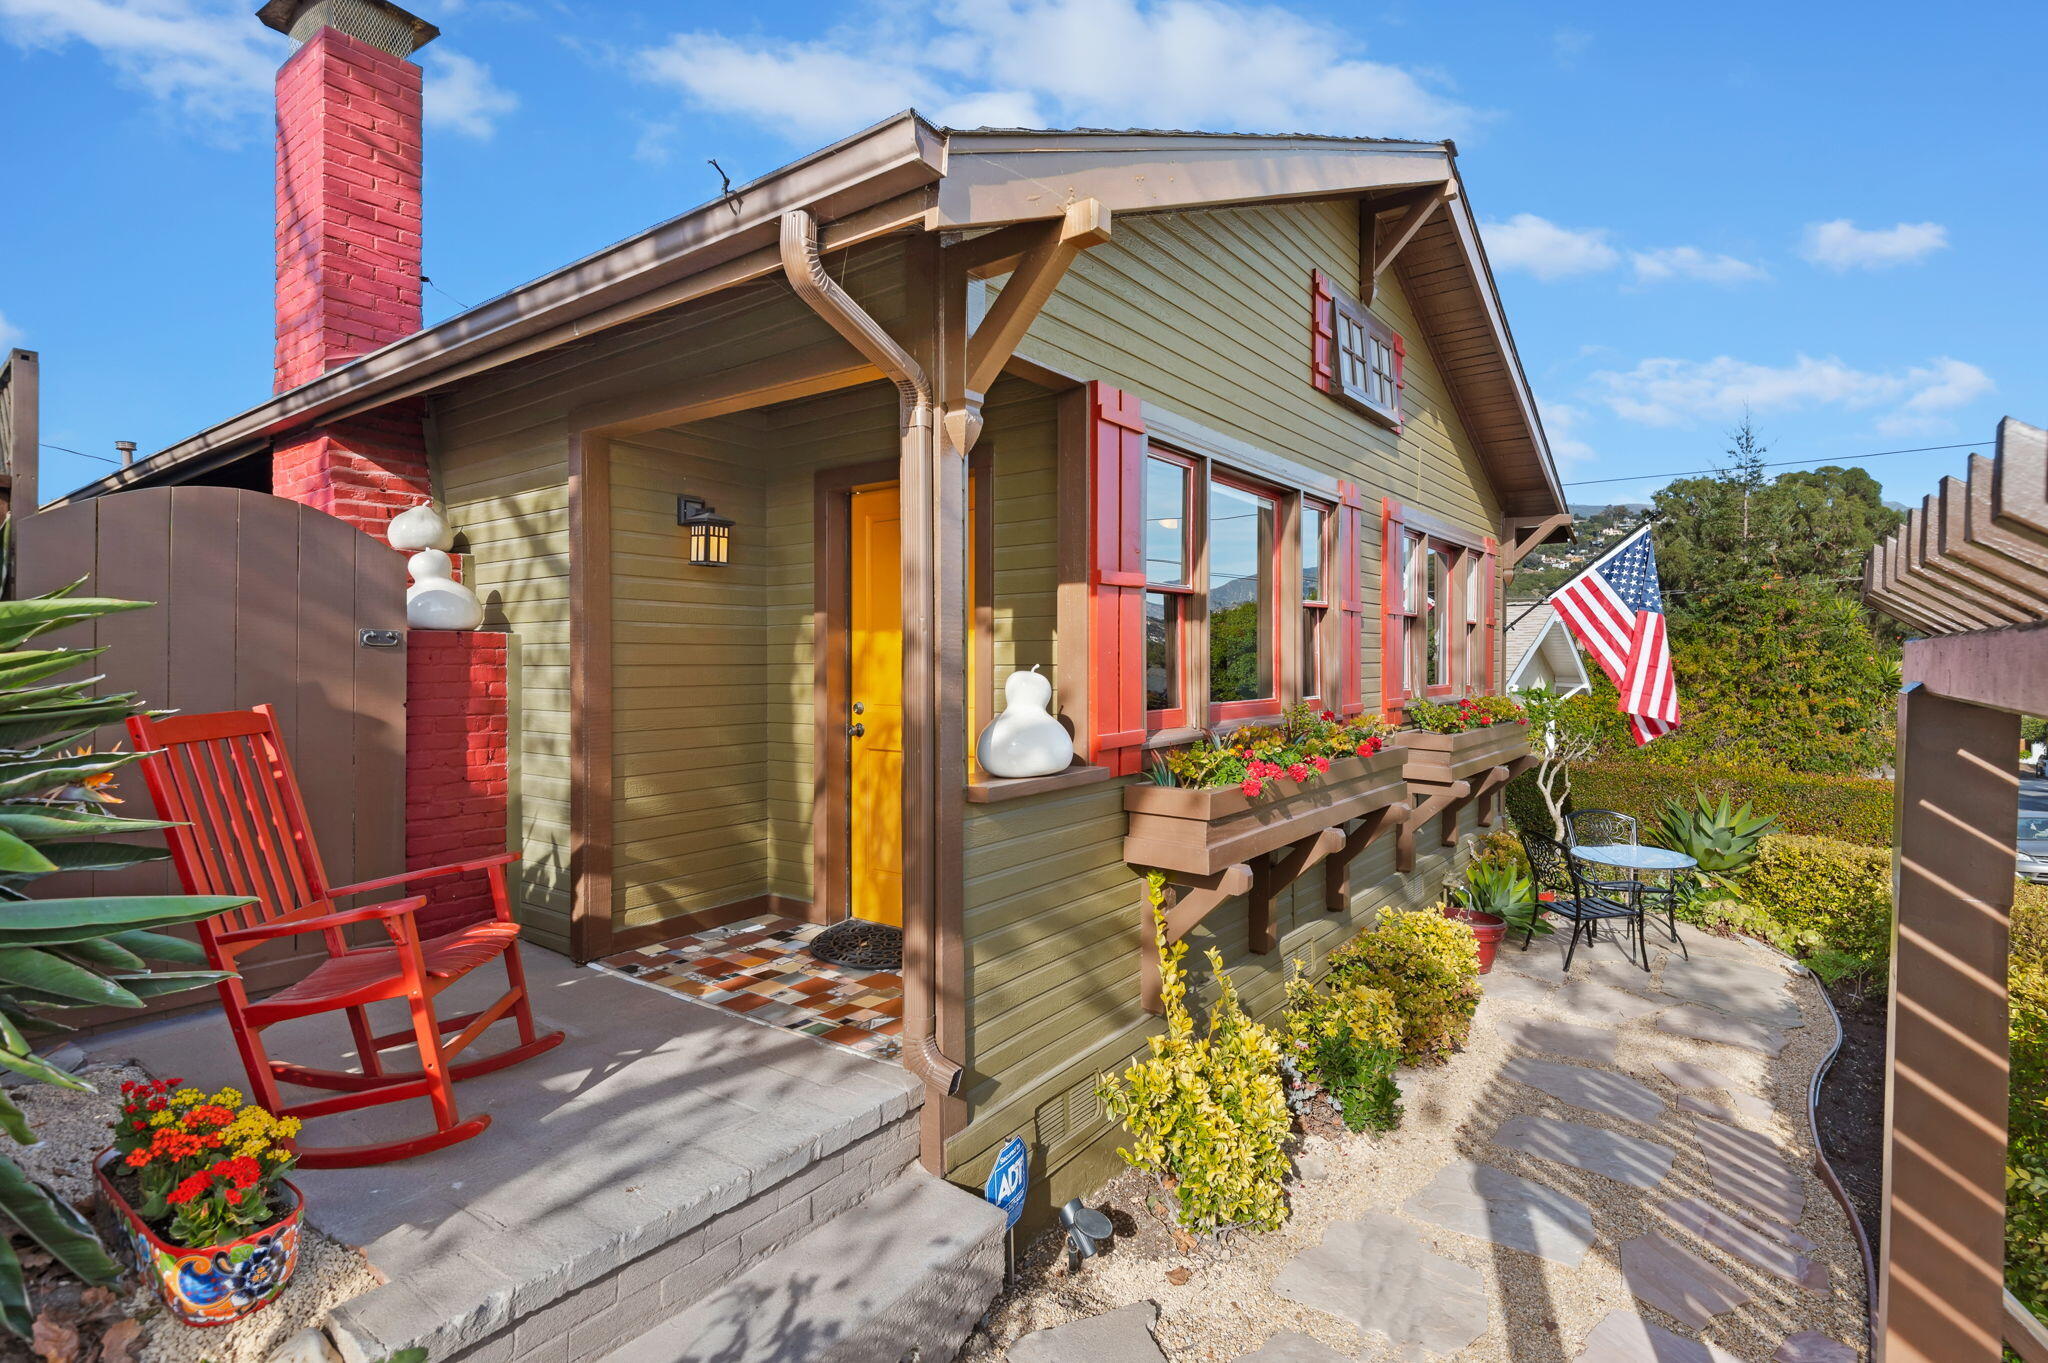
{"points": [[348, 243]]}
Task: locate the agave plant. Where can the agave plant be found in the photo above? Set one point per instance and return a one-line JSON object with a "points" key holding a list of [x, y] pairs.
{"points": [[60, 954], [1504, 891], [1722, 840]]}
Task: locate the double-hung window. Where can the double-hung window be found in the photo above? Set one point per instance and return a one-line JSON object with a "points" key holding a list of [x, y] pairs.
{"points": [[1231, 563], [1317, 634], [1169, 585], [1437, 607]]}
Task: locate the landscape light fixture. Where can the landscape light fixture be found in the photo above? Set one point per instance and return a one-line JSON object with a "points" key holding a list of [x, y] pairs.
{"points": [[710, 533], [1087, 1231]]}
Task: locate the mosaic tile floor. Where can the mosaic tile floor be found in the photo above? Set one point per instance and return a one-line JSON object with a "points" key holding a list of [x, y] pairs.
{"points": [[760, 969]]}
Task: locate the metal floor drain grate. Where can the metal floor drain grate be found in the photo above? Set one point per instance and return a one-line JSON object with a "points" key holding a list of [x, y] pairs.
{"points": [[860, 944]]}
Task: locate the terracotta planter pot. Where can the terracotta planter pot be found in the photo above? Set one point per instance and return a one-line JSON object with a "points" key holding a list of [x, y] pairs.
{"points": [[214, 1284], [1487, 930], [1201, 831], [1439, 759]]}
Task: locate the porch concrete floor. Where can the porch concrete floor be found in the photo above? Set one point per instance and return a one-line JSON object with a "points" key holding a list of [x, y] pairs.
{"points": [[654, 1115]]}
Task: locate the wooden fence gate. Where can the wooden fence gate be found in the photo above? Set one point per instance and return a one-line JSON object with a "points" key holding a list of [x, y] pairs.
{"points": [[259, 600]]}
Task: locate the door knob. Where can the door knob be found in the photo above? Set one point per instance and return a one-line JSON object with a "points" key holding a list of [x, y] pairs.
{"points": [[859, 709], [856, 730]]}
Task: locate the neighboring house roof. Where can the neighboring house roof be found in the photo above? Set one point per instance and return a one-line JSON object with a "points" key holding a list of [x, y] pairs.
{"points": [[1537, 633], [906, 174]]}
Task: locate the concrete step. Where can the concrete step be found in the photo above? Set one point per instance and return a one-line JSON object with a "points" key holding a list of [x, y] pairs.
{"points": [[899, 1278]]}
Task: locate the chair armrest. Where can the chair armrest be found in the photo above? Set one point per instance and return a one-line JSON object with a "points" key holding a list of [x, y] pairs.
{"points": [[424, 873], [243, 938]]}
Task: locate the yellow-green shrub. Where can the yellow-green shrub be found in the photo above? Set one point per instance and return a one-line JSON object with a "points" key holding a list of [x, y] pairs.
{"points": [[1806, 894], [1347, 1038], [1852, 808], [2026, 1159], [1208, 1115], [1430, 964]]}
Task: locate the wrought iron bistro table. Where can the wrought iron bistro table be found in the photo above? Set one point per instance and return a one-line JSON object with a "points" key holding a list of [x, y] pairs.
{"points": [[1636, 859]]}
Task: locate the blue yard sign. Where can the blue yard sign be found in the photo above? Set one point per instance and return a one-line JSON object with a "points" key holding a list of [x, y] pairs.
{"points": [[1009, 1178]]}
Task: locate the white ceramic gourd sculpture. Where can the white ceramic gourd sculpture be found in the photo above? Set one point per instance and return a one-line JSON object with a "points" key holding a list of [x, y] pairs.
{"points": [[1025, 740], [435, 600]]}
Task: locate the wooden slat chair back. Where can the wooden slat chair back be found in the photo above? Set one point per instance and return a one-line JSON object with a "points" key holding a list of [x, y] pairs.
{"points": [[227, 782]]}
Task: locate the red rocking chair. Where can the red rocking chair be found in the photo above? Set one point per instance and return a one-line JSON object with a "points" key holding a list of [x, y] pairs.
{"points": [[225, 778]]}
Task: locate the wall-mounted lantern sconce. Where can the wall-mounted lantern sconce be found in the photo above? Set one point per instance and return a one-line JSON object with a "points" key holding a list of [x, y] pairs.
{"points": [[710, 534]]}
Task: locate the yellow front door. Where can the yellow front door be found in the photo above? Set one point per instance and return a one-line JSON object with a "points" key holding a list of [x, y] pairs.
{"points": [[875, 682]]}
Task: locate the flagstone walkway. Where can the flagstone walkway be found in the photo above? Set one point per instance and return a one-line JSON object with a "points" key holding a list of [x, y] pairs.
{"points": [[1618, 1170]]}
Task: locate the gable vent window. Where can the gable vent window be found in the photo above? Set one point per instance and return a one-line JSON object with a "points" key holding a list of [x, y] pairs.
{"points": [[1353, 355], [1368, 360]]}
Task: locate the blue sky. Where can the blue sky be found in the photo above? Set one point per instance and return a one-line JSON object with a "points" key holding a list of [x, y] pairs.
{"points": [[1829, 214]]}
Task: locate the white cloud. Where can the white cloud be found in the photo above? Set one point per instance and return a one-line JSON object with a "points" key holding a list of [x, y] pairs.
{"points": [[1670, 392], [1562, 423], [1202, 64], [459, 94], [210, 58], [1540, 247], [1842, 245], [1690, 262], [1567, 45]]}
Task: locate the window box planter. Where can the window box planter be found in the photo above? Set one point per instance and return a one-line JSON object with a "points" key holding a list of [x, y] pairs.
{"points": [[1436, 760], [1204, 831], [212, 1284]]}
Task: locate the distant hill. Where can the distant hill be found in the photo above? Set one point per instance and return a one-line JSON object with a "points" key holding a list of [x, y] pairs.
{"points": [[1548, 566]]}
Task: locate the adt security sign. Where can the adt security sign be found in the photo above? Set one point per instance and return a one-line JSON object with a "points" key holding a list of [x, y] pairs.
{"points": [[1008, 1179]]}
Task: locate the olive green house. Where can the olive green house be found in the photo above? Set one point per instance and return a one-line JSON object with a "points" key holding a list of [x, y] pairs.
{"points": [[772, 499]]}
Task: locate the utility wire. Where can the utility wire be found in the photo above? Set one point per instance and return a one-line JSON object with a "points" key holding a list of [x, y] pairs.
{"points": [[1774, 464], [80, 453]]}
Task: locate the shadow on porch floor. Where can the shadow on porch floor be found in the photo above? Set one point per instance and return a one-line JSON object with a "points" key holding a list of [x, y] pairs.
{"points": [[653, 1117]]}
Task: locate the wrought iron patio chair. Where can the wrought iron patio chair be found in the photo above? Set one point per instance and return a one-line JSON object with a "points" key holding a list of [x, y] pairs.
{"points": [[1609, 827], [1593, 902], [1547, 874], [241, 828]]}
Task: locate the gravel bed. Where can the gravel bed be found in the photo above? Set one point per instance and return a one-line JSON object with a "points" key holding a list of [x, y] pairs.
{"points": [[73, 1127], [1217, 1304]]}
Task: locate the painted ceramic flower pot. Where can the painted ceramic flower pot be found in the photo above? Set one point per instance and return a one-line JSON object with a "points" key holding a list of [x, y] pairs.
{"points": [[213, 1284], [1487, 930]]}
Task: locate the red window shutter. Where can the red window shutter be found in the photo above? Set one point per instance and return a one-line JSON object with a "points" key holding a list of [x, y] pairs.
{"points": [[1322, 333], [1400, 379], [1116, 579], [1350, 695], [1393, 624]]}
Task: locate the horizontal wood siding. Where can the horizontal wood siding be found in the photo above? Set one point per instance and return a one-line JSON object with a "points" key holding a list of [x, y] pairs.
{"points": [[508, 500], [1207, 315], [501, 464]]}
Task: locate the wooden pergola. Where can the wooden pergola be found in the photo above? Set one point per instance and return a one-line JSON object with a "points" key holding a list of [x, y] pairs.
{"points": [[1969, 572]]}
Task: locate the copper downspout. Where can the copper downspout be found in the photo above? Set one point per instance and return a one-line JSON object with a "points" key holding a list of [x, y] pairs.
{"points": [[918, 425]]}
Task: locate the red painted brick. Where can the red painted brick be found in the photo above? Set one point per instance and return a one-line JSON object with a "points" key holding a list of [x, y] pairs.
{"points": [[457, 771]]}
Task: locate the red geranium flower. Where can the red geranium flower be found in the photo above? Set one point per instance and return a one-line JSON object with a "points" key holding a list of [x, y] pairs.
{"points": [[1251, 786], [1297, 771], [1320, 763]]}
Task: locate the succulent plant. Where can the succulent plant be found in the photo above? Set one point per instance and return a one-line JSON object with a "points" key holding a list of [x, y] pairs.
{"points": [[1722, 840]]}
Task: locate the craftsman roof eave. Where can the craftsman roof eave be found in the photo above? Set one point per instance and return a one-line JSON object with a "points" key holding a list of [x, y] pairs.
{"points": [[901, 174]]}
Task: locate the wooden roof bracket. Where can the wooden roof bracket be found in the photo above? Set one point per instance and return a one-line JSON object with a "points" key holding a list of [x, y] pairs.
{"points": [[1377, 249], [1491, 794], [1185, 905], [1337, 874], [1037, 255], [1520, 535]]}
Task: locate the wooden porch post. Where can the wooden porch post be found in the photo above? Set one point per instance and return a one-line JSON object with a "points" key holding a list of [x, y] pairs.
{"points": [[1941, 1281]]}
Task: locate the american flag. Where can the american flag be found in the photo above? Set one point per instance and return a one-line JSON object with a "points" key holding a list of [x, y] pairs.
{"points": [[1616, 609]]}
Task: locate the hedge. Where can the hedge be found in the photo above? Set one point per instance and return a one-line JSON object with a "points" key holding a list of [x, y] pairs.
{"points": [[1853, 808], [1806, 894], [2026, 1175]]}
